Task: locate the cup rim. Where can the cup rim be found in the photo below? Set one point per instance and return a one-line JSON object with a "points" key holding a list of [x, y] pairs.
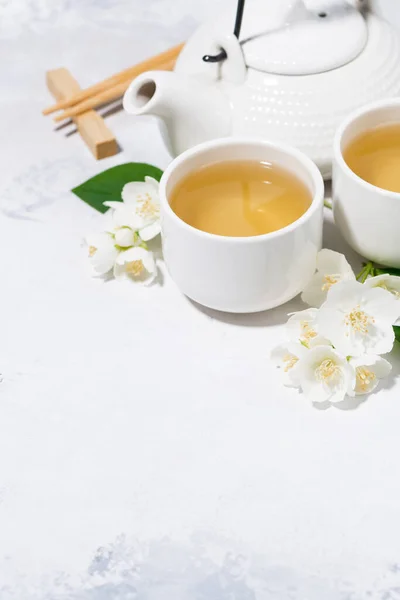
{"points": [[337, 151], [307, 163]]}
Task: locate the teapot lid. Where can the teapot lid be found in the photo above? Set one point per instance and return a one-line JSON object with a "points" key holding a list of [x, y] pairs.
{"points": [[301, 37]]}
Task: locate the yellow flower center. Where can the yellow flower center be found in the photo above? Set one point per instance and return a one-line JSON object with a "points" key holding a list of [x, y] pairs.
{"points": [[289, 361], [329, 281], [364, 378], [135, 267], [385, 287], [327, 370], [92, 251], [147, 208], [358, 320], [307, 333]]}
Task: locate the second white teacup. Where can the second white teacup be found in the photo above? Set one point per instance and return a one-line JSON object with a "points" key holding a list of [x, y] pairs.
{"points": [[242, 274], [368, 216]]}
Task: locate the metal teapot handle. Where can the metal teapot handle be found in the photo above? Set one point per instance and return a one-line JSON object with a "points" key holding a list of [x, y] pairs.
{"points": [[215, 58], [236, 32]]}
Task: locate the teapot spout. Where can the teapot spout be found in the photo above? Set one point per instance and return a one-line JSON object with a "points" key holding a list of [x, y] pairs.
{"points": [[192, 110]]}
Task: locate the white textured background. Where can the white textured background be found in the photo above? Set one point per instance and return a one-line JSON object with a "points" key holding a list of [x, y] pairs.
{"points": [[147, 448]]}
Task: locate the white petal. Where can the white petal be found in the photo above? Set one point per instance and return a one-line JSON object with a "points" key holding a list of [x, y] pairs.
{"points": [[150, 232], [382, 303], [149, 263], [315, 380], [315, 292], [316, 393], [382, 367], [153, 183], [277, 354], [119, 271], [150, 278], [136, 254], [330, 262], [129, 256], [332, 326], [103, 252], [103, 264], [369, 370], [143, 201], [132, 189], [112, 204], [108, 221], [319, 340], [332, 268], [340, 394], [391, 283], [131, 192], [287, 358], [380, 339], [374, 311], [303, 315], [124, 237], [302, 326], [344, 293], [125, 217]]}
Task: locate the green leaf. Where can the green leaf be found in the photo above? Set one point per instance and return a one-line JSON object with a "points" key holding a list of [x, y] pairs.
{"points": [[108, 185], [396, 330], [387, 271]]}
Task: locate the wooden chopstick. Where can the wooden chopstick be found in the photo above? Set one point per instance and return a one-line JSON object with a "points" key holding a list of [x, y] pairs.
{"points": [[106, 96], [149, 64]]}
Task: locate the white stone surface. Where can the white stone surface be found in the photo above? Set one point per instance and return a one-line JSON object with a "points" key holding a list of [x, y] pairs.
{"points": [[147, 448]]}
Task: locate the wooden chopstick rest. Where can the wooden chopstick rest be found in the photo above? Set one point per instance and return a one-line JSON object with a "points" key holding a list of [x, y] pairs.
{"points": [[93, 130]]}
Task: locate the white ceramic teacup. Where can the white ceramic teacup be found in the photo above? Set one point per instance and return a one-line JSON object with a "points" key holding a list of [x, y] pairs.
{"points": [[368, 216], [242, 274]]}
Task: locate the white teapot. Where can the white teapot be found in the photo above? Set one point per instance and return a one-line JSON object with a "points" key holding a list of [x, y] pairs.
{"points": [[299, 67]]}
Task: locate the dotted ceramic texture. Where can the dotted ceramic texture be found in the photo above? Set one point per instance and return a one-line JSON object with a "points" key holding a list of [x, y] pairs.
{"points": [[304, 111]]}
